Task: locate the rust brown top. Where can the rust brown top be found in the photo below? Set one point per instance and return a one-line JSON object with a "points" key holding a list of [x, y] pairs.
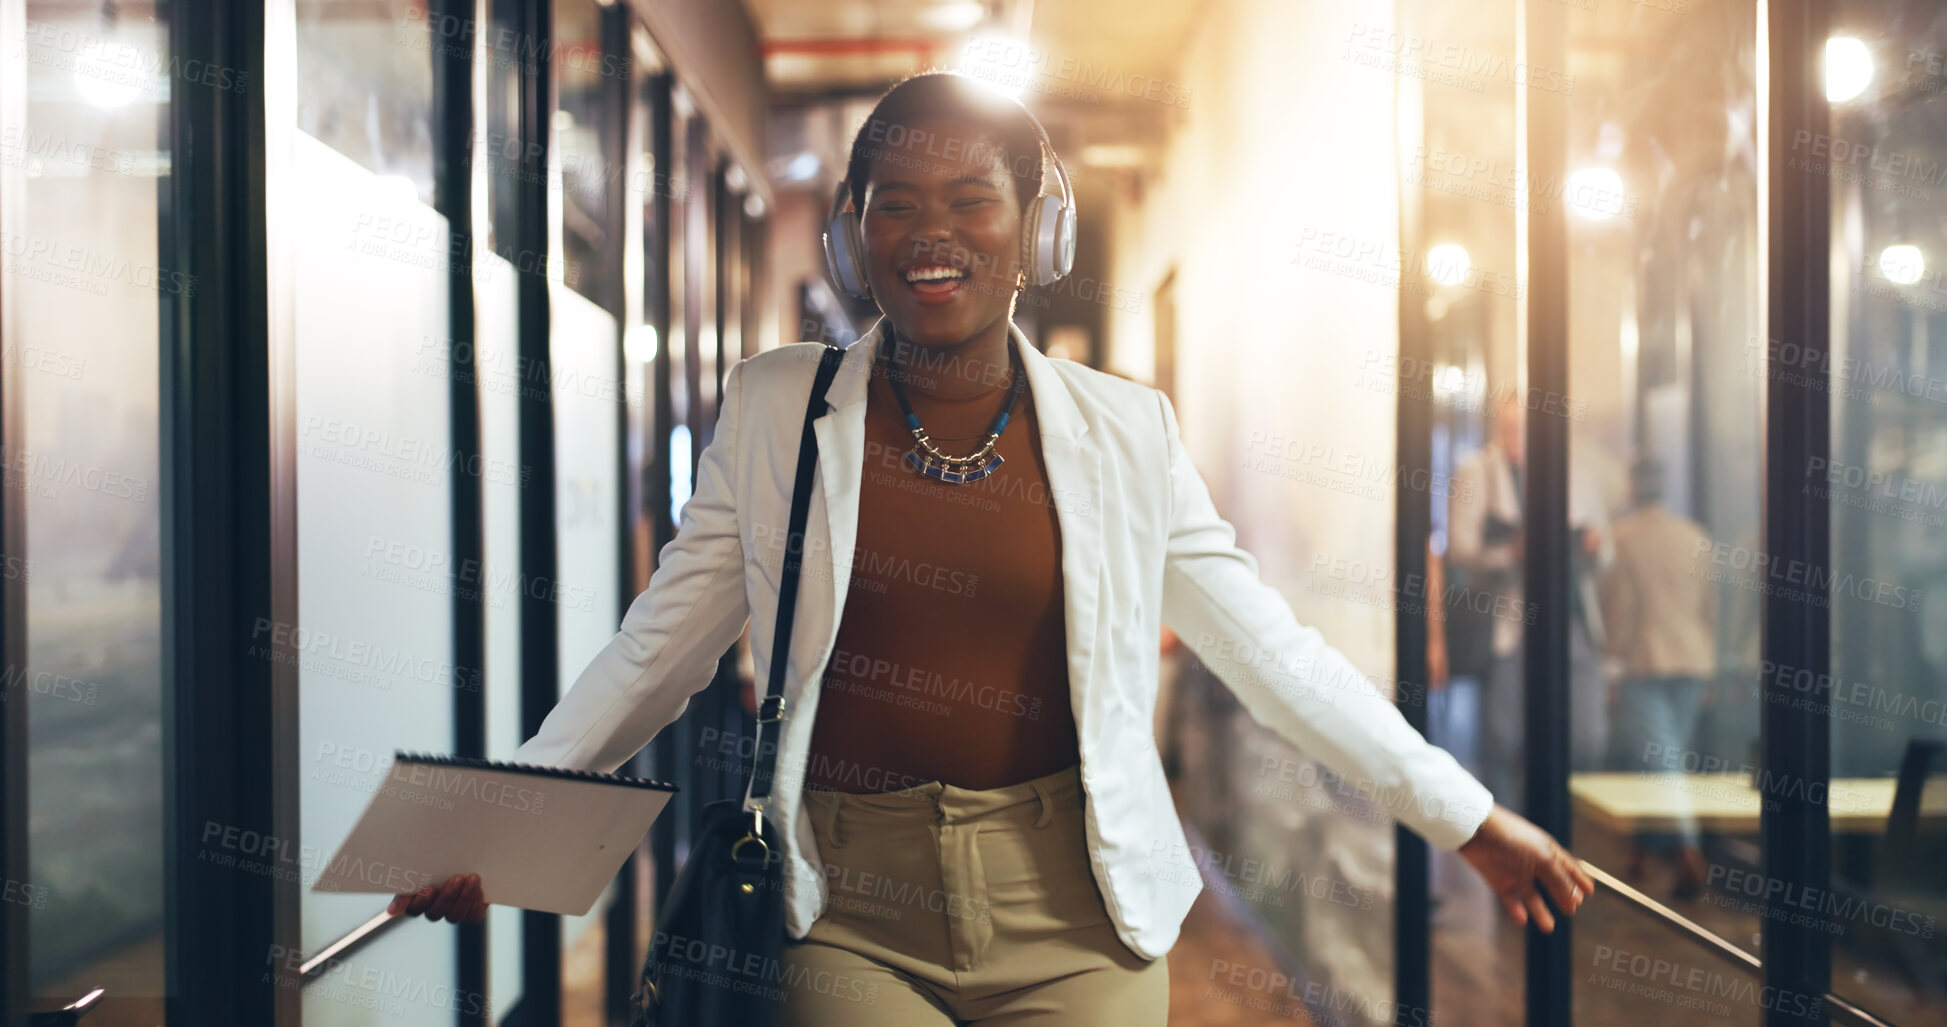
{"points": [[951, 662]]}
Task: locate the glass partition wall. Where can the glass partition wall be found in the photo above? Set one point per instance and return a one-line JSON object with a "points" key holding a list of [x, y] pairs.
{"points": [[396, 370], [1664, 416], [1884, 157], [567, 326], [368, 312], [1457, 380], [585, 357], [1599, 182], [84, 162]]}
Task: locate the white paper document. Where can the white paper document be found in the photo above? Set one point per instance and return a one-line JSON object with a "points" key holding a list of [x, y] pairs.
{"points": [[541, 838]]}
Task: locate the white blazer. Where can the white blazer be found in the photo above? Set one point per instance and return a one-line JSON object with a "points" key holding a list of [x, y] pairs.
{"points": [[1142, 546]]}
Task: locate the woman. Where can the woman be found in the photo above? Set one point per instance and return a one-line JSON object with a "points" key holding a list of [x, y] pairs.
{"points": [[978, 824]]}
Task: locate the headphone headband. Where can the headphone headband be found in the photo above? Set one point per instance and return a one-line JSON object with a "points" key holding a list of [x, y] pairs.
{"points": [[1049, 155]]}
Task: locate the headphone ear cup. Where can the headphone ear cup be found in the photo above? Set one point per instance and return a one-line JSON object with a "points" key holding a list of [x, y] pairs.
{"points": [[1047, 226], [1065, 244], [831, 258], [844, 255], [1031, 242], [855, 242]]}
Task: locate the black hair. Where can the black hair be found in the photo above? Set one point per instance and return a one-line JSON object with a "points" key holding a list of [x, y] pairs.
{"points": [[945, 94]]}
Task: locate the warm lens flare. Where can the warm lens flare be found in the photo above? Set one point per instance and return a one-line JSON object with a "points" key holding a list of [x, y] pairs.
{"points": [[1902, 264], [1448, 264], [1848, 68]]}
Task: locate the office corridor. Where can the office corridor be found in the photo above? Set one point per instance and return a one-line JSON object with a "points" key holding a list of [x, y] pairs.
{"points": [[1425, 450]]}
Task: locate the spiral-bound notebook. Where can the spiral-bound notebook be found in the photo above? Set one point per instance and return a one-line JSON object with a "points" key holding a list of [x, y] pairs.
{"points": [[541, 838]]}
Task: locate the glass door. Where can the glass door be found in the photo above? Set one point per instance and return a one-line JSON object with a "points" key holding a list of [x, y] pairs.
{"points": [[1664, 420], [367, 316], [585, 355], [1645, 160]]}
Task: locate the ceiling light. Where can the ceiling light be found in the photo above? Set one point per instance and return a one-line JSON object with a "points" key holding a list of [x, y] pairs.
{"points": [[639, 344], [109, 75], [1848, 68], [1594, 193], [1448, 264], [1902, 264]]}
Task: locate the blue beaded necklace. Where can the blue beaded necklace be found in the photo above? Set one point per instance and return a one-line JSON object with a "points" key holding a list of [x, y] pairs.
{"points": [[924, 457]]}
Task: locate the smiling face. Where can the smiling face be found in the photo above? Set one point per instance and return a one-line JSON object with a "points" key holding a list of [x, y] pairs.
{"points": [[942, 232]]}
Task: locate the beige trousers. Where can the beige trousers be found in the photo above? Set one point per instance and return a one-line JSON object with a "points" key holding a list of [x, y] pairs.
{"points": [[950, 906]]}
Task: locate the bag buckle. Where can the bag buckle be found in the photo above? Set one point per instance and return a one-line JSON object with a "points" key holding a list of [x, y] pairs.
{"points": [[750, 839], [771, 710], [755, 834]]}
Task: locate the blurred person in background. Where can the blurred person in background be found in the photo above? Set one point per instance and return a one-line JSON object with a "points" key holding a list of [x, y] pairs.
{"points": [[1662, 620], [1487, 610]]}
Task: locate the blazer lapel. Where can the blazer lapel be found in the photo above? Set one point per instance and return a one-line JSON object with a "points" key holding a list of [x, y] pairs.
{"points": [[841, 465], [1075, 487]]}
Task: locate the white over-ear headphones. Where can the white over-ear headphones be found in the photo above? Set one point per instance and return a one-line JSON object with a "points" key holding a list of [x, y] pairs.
{"points": [[1047, 232]]}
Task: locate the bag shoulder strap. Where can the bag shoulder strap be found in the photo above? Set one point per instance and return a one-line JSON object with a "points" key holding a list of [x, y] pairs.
{"points": [[770, 711]]}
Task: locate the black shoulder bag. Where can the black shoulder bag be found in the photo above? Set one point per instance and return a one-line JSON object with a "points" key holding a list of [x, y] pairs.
{"points": [[717, 956]]}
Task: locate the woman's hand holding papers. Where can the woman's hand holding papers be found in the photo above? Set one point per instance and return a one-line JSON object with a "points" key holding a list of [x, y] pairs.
{"points": [[460, 900]]}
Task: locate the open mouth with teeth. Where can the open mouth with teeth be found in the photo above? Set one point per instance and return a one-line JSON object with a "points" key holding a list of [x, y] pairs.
{"points": [[936, 282]]}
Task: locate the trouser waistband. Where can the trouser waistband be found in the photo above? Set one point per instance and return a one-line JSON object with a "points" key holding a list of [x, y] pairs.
{"points": [[937, 802]]}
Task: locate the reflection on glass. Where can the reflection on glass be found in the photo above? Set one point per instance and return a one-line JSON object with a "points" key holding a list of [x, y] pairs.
{"points": [[700, 278], [501, 382], [1664, 421], [681, 455], [588, 533], [376, 567], [365, 85], [586, 335], [503, 378], [584, 78], [1461, 176], [84, 288], [1885, 157]]}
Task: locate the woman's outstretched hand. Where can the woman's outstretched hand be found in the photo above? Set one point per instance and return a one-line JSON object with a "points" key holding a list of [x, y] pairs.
{"points": [[1517, 859], [459, 899]]}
